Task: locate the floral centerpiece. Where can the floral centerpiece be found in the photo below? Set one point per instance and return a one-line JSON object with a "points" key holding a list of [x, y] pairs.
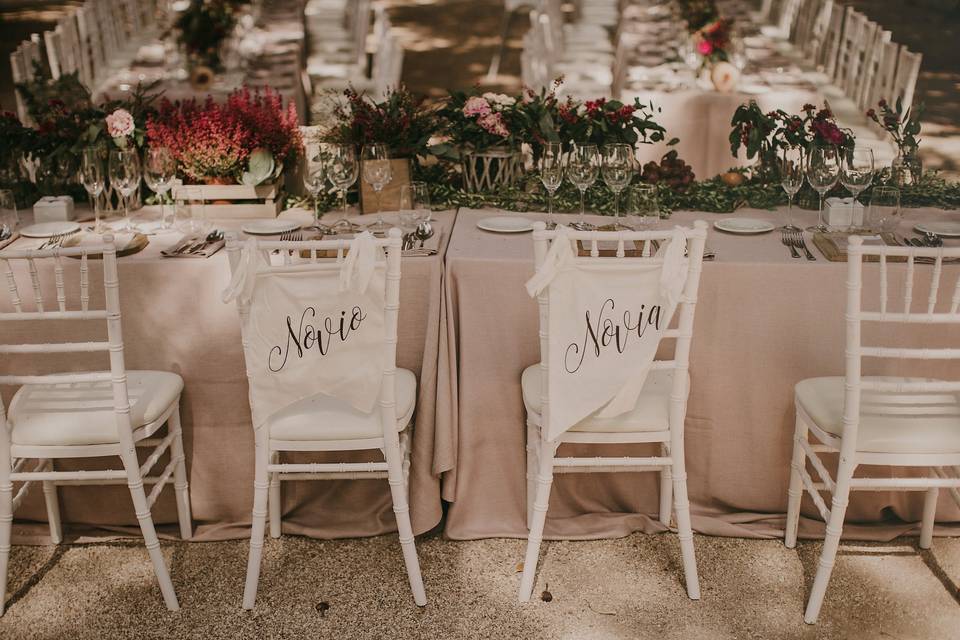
{"points": [[247, 140], [399, 121], [603, 121], [202, 28], [904, 128], [763, 135]]}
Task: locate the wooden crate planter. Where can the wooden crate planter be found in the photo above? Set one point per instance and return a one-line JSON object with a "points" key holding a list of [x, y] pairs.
{"points": [[237, 200]]}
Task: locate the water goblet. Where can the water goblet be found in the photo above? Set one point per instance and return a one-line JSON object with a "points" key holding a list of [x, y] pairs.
{"points": [[378, 173], [617, 172], [315, 179], [94, 181], [856, 171], [583, 168], [551, 175], [159, 172], [823, 171], [124, 167], [791, 179]]}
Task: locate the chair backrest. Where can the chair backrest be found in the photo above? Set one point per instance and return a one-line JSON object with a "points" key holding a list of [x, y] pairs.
{"points": [[91, 44], [310, 259], [851, 45], [827, 56], [937, 303], [908, 72], [635, 262], [870, 68], [20, 304], [884, 82], [788, 17]]}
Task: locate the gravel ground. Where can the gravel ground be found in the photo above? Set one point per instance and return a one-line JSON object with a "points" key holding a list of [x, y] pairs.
{"points": [[626, 588]]}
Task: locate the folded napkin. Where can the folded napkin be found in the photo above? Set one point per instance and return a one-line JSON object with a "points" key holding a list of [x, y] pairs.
{"points": [[204, 251], [151, 54], [121, 239]]}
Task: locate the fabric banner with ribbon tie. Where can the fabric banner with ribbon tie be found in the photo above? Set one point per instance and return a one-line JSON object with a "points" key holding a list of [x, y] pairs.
{"points": [[312, 328], [606, 319]]}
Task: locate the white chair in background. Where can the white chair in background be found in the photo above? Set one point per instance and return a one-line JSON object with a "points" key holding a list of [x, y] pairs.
{"points": [[660, 410], [886, 421], [908, 72], [826, 57], [85, 414], [303, 419]]}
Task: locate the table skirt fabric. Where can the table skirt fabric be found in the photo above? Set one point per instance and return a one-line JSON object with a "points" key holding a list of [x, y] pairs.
{"points": [[174, 320], [763, 322]]}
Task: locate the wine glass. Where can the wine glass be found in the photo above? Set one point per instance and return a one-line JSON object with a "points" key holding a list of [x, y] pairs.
{"points": [[159, 171], [315, 179], [9, 218], [415, 197], [93, 180], [342, 169], [856, 170], [617, 171], [885, 208], [551, 175], [124, 167], [823, 171], [642, 205], [583, 168], [378, 173], [791, 179]]}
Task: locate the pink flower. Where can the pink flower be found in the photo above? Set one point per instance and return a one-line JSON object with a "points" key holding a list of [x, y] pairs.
{"points": [[120, 124], [493, 123], [704, 48], [476, 106]]}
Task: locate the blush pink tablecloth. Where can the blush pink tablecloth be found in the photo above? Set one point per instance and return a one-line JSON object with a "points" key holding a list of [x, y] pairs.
{"points": [[763, 322], [174, 320]]}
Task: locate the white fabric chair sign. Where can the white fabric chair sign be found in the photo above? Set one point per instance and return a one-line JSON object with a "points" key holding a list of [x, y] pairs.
{"points": [[881, 421], [320, 342], [599, 332]]}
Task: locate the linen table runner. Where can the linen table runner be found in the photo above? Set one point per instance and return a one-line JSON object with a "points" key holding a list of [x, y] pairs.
{"points": [[312, 328], [606, 318]]}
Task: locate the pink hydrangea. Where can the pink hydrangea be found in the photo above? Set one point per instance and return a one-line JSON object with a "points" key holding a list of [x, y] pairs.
{"points": [[476, 106], [120, 124], [493, 123]]}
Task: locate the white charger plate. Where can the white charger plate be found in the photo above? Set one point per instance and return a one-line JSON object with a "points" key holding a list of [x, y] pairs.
{"points": [[945, 228], [49, 229], [272, 227], [505, 224], [744, 226]]}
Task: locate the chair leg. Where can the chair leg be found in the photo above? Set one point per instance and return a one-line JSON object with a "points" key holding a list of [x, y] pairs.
{"points": [[180, 484], [929, 516], [831, 543], [545, 453], [795, 492], [6, 516], [684, 528], [53, 508], [274, 499], [666, 489], [260, 487], [533, 436], [135, 484], [401, 509]]}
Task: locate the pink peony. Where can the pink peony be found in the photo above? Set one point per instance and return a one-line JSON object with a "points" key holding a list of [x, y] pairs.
{"points": [[120, 124], [704, 48], [493, 123], [476, 106]]}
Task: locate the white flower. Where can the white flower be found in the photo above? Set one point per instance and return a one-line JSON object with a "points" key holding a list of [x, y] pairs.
{"points": [[120, 124], [499, 99]]}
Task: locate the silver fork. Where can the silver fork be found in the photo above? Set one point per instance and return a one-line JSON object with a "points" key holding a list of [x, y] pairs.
{"points": [[801, 243], [787, 241]]}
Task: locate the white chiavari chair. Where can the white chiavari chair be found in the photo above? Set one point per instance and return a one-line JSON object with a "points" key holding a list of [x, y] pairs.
{"points": [[84, 414], [851, 43], [71, 61], [908, 72], [53, 48], [827, 56], [803, 25], [91, 44], [322, 423], [657, 419], [20, 73], [884, 83], [880, 420], [873, 59]]}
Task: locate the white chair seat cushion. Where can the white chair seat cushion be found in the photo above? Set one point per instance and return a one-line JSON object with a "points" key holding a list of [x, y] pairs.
{"points": [[322, 418], [650, 414], [934, 428], [81, 413]]}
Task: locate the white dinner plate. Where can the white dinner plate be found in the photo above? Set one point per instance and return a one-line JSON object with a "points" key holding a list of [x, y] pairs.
{"points": [[272, 227], [946, 229], [744, 225], [506, 224], [49, 229]]}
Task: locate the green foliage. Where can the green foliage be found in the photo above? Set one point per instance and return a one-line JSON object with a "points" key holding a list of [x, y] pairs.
{"points": [[399, 121]]}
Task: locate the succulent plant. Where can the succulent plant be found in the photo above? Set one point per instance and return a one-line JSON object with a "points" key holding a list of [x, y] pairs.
{"points": [[260, 167]]}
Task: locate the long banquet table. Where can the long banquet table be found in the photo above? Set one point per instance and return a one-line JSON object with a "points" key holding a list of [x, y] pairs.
{"points": [[174, 320], [763, 322]]}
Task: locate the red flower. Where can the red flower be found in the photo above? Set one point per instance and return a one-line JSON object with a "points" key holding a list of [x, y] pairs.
{"points": [[704, 48], [594, 106], [882, 104]]}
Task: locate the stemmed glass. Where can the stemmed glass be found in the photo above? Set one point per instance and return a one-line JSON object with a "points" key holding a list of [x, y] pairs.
{"points": [[617, 172], [377, 172], [342, 170], [93, 180], [583, 168], [9, 218], [791, 179], [159, 171], [551, 175], [414, 206], [823, 171], [856, 170], [314, 179], [124, 167], [885, 209]]}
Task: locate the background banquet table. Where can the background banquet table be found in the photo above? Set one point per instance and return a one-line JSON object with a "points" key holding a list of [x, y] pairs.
{"points": [[174, 320], [763, 322]]}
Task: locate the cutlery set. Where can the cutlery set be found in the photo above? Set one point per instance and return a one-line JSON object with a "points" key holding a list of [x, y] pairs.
{"points": [[794, 240], [55, 242], [196, 244]]}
